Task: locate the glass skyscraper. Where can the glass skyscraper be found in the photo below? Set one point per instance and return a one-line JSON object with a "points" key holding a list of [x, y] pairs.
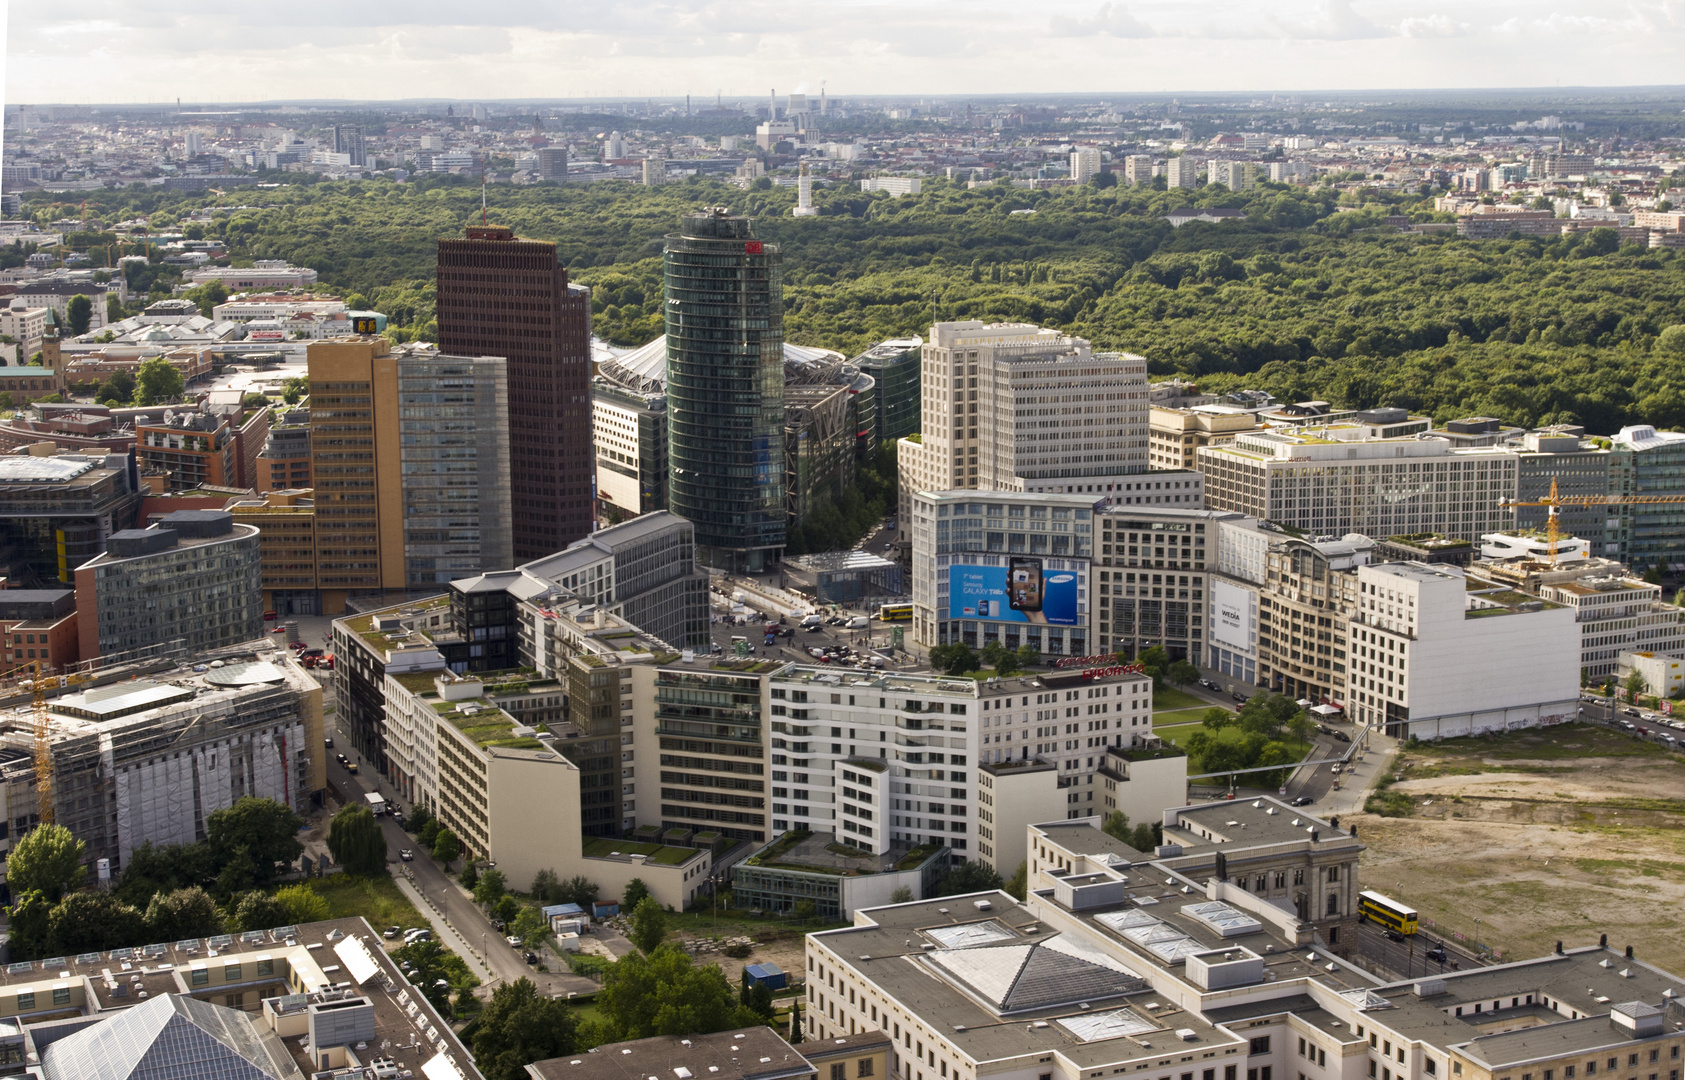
{"points": [[725, 390]]}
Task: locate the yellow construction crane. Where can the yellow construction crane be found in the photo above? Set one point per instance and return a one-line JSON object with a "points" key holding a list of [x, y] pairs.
{"points": [[39, 684], [1553, 527]]}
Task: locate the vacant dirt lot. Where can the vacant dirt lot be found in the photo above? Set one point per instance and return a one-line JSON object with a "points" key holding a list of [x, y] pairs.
{"points": [[1559, 834]]}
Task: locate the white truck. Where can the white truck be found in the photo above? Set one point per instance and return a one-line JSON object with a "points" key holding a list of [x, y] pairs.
{"points": [[376, 804]]}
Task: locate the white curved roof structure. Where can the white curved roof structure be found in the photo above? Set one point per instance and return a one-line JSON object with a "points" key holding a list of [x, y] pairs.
{"points": [[645, 369]]}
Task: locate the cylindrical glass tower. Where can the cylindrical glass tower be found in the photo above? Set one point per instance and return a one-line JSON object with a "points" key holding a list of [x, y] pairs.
{"points": [[725, 390]]}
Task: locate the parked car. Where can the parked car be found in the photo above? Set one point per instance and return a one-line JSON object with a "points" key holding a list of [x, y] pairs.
{"points": [[1303, 800], [342, 759], [328, 742], [406, 855], [1341, 736], [391, 932], [352, 768], [514, 942]]}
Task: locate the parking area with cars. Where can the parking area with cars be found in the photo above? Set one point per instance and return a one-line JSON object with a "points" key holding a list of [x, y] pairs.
{"points": [[1664, 728]]}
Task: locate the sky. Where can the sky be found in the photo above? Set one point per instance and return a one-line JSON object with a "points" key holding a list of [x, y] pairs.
{"points": [[158, 50]]}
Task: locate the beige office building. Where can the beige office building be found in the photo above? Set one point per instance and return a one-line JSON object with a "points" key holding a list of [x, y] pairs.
{"points": [[1175, 436], [1015, 407]]}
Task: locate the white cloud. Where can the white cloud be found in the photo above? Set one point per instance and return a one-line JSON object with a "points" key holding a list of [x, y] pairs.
{"points": [[360, 49], [1431, 26], [1109, 21]]}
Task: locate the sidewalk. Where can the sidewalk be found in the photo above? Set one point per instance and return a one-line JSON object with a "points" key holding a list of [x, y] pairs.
{"points": [[1377, 761]]}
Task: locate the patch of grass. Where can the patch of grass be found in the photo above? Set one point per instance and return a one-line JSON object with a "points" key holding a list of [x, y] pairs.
{"points": [[1173, 717], [1390, 804], [1168, 697], [376, 899], [1567, 742]]}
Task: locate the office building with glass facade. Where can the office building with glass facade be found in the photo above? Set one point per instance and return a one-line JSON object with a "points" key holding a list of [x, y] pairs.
{"points": [[725, 390]]}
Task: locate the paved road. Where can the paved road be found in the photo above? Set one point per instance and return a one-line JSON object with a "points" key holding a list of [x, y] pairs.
{"points": [[1408, 959], [450, 902]]}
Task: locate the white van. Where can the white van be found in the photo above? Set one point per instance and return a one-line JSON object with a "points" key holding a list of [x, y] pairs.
{"points": [[859, 622], [811, 621]]}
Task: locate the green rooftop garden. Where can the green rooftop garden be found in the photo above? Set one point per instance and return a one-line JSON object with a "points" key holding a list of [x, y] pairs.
{"points": [[490, 728], [916, 857], [598, 847]]}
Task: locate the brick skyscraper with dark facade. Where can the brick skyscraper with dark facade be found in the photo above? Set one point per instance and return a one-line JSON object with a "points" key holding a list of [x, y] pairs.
{"points": [[502, 296]]}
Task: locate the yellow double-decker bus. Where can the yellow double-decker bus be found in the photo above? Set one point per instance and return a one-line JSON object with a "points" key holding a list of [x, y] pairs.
{"points": [[1388, 912], [895, 613]]}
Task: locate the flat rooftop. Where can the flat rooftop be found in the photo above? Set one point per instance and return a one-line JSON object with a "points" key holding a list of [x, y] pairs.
{"points": [[320, 958], [754, 1053], [984, 969]]}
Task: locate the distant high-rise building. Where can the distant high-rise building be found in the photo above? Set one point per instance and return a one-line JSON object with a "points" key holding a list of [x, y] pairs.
{"points": [[1138, 169], [804, 196], [348, 139], [725, 389], [614, 147], [1085, 164], [1182, 172], [502, 296], [655, 170], [553, 164], [193, 144]]}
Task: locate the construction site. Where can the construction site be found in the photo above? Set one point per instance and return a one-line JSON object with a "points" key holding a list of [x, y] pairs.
{"points": [[146, 749]]}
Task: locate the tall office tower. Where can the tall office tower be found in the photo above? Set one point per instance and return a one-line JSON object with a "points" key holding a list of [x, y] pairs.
{"points": [[1055, 416], [553, 164], [193, 144], [500, 296], [725, 390], [1182, 172], [410, 457], [453, 415], [1085, 164], [1138, 169], [348, 139], [655, 170]]}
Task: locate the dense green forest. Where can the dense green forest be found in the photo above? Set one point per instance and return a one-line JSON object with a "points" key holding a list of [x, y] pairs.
{"points": [[1311, 296]]}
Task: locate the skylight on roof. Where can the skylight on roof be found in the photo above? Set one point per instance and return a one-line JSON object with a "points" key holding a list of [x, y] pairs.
{"points": [[1225, 920], [969, 934], [1116, 1024]]}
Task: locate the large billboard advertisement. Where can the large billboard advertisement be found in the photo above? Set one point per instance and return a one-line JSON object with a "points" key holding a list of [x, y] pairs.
{"points": [[1231, 616], [1023, 591]]}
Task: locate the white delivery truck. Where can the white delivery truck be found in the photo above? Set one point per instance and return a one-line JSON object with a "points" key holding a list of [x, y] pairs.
{"points": [[376, 803]]}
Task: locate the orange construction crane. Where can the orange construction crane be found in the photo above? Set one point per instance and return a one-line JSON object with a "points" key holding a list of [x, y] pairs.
{"points": [[38, 685], [1553, 528]]}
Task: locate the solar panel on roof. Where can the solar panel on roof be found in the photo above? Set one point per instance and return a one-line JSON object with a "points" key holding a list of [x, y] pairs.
{"points": [[281, 933], [254, 937], [187, 945], [22, 967], [87, 958], [55, 963], [969, 934], [220, 940], [154, 951], [121, 954]]}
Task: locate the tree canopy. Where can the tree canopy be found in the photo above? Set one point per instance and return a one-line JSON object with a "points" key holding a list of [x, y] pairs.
{"points": [[521, 1026], [666, 993], [356, 841], [49, 859]]}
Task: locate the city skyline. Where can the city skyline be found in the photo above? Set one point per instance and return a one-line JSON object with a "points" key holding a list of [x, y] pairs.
{"points": [[741, 50]]}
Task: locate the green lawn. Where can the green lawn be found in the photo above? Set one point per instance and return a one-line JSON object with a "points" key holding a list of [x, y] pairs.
{"points": [[1177, 735], [1168, 697], [1178, 716], [376, 899]]}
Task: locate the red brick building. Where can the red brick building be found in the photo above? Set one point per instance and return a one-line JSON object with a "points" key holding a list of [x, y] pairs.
{"points": [[503, 296]]}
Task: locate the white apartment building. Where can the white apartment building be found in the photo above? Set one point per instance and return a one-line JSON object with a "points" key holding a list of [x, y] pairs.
{"points": [[1085, 164], [884, 760], [894, 185], [275, 309], [1379, 487], [1138, 169], [1616, 614], [25, 325], [1015, 407], [1182, 172], [1434, 654]]}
